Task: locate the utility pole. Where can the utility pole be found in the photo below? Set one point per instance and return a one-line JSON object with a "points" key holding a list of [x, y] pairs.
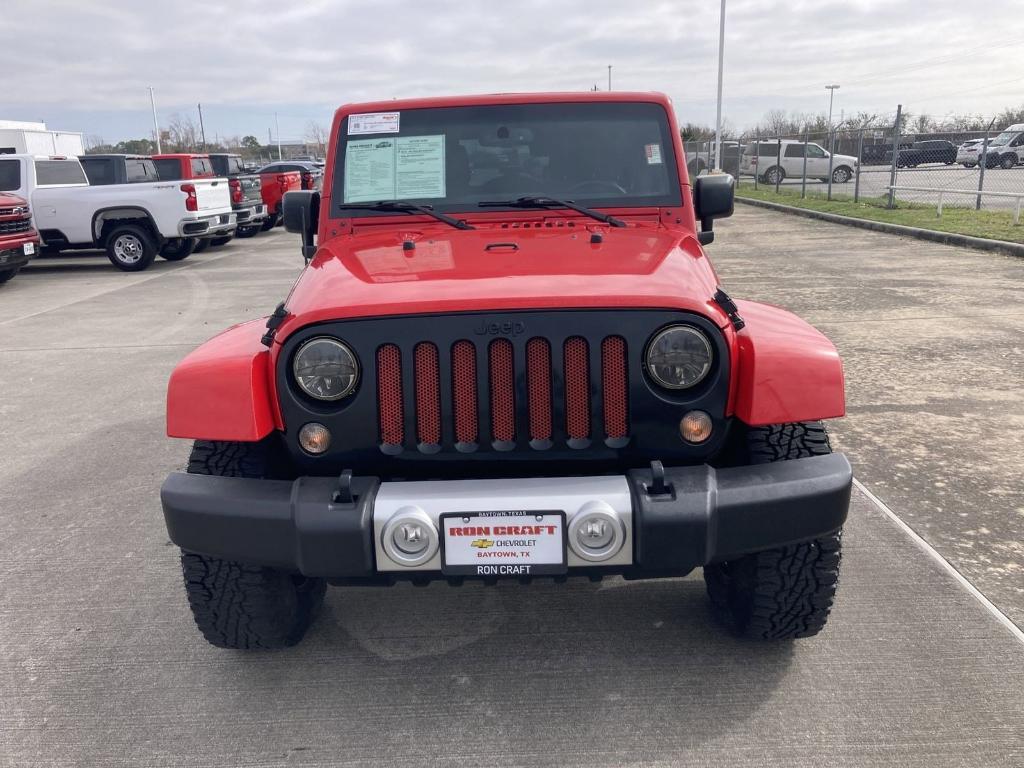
{"points": [[202, 130], [277, 127], [718, 109], [831, 93], [609, 77], [156, 126]]}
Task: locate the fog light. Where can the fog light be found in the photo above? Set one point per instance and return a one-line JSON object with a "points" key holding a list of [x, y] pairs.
{"points": [[314, 438], [410, 538], [695, 427], [596, 533]]}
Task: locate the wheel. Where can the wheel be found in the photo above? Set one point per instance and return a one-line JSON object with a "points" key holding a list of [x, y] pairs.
{"points": [[201, 245], [968, 165], [841, 175], [270, 222], [179, 248], [235, 605], [774, 175], [130, 248], [783, 593], [247, 231], [7, 274], [1007, 162], [216, 242]]}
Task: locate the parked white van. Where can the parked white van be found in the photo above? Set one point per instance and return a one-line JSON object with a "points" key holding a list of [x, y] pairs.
{"points": [[763, 160]]}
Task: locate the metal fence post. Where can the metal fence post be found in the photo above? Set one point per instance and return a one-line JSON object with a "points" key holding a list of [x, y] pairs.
{"points": [[831, 156], [983, 163], [895, 155], [860, 160], [778, 166], [803, 173], [757, 154]]}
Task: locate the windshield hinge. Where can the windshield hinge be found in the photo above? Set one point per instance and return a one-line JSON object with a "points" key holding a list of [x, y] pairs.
{"points": [[729, 307], [280, 313]]}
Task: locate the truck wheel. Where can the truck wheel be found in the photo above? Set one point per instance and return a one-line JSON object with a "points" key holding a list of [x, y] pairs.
{"points": [[216, 242], [235, 605], [269, 223], [201, 245], [841, 175], [1007, 162], [247, 231], [7, 274], [783, 593], [178, 248], [130, 248]]}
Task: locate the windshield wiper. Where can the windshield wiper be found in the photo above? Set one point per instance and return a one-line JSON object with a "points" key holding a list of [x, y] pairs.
{"points": [[543, 201], [402, 206]]}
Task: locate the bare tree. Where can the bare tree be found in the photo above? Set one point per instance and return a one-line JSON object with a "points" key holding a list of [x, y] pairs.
{"points": [[317, 134], [183, 133]]}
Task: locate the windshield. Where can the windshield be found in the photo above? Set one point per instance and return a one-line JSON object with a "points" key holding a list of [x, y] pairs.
{"points": [[1004, 138], [596, 154]]}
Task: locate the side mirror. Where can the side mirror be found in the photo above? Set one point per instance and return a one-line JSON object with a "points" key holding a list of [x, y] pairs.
{"points": [[713, 198], [301, 214]]}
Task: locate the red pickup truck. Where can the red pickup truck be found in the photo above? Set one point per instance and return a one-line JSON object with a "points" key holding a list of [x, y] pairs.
{"points": [[275, 183], [19, 241]]}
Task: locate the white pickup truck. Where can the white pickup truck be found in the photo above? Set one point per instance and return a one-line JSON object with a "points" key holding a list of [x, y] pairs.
{"points": [[132, 222]]}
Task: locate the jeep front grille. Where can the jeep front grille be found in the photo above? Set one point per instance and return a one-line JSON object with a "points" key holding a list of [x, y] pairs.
{"points": [[447, 384]]}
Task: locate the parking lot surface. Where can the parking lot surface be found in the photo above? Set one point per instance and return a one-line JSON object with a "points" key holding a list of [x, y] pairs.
{"points": [[100, 663]]}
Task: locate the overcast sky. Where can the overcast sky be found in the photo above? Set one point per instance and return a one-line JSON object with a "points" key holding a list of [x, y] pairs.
{"points": [[85, 65]]}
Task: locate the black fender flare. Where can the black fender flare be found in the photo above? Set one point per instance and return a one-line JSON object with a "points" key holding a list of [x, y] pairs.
{"points": [[160, 239]]}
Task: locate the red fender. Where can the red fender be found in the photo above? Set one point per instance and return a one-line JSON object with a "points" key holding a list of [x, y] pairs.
{"points": [[788, 370], [221, 391]]}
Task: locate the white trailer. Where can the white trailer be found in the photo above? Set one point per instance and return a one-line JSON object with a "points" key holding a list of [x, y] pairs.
{"points": [[17, 138]]}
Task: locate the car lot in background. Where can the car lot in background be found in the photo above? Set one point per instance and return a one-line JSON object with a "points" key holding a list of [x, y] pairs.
{"points": [[312, 174], [931, 151]]}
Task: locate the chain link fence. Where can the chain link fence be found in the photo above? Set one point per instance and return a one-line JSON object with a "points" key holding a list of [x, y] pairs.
{"points": [[885, 167]]}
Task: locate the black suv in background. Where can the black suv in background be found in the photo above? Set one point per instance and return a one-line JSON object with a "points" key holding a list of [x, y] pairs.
{"points": [[931, 151]]}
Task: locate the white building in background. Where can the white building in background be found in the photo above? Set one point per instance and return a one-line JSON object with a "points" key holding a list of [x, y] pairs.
{"points": [[19, 137]]}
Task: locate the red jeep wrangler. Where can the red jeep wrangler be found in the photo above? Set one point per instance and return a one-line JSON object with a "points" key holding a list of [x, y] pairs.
{"points": [[508, 357]]}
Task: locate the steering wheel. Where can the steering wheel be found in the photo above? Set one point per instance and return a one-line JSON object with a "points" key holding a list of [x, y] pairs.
{"points": [[597, 186]]}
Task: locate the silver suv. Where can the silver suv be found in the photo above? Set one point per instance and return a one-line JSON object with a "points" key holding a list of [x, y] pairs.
{"points": [[771, 164]]}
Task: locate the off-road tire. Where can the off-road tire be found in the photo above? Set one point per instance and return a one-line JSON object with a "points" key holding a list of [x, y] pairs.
{"points": [[7, 274], [216, 242], [236, 605], [270, 222], [130, 248], [178, 248], [787, 592]]}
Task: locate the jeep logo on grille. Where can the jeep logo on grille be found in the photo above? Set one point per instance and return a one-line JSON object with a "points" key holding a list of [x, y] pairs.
{"points": [[505, 328]]}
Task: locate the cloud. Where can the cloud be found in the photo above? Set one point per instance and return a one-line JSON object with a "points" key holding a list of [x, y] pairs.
{"points": [[95, 60]]}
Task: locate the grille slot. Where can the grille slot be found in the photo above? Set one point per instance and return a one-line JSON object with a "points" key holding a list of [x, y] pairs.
{"points": [[11, 227], [522, 394]]}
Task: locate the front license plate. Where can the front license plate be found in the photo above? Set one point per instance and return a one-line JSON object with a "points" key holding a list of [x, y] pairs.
{"points": [[29, 248], [510, 544]]}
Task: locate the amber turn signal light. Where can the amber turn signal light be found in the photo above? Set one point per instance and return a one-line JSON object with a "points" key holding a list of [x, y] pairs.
{"points": [[695, 427]]}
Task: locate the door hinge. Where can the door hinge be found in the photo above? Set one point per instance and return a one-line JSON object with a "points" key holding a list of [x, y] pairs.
{"points": [[729, 307], [280, 313]]}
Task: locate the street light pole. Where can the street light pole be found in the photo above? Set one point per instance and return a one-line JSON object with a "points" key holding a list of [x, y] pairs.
{"points": [[609, 77], [718, 110], [831, 93], [277, 129], [156, 126]]}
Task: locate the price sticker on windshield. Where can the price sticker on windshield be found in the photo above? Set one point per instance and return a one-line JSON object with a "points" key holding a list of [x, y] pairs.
{"points": [[373, 122]]}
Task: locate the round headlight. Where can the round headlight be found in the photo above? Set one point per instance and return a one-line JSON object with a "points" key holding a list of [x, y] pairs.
{"points": [[325, 369], [679, 357]]}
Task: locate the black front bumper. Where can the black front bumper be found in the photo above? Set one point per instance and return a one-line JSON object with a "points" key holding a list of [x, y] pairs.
{"points": [[11, 257], [700, 515]]}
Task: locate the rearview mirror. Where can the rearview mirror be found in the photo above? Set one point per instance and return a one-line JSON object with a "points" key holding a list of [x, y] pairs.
{"points": [[713, 198], [301, 214]]}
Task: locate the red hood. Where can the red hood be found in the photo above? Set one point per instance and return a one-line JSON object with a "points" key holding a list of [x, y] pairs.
{"points": [[7, 200], [448, 270]]}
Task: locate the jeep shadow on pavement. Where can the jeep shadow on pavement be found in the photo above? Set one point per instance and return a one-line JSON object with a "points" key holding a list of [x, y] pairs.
{"points": [[508, 326]]}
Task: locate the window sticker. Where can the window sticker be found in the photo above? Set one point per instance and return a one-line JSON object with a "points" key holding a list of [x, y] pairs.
{"points": [[373, 122], [653, 152], [407, 168], [369, 170], [419, 167]]}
